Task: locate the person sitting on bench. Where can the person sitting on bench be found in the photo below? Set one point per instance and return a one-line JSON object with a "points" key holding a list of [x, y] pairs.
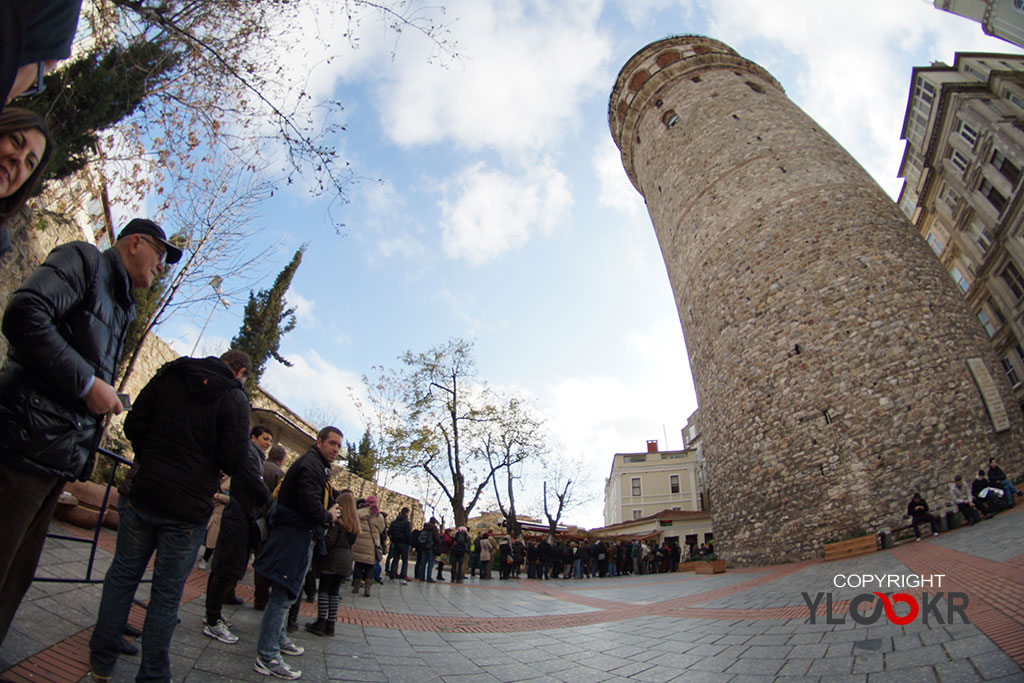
{"points": [[917, 510], [987, 499], [961, 496]]}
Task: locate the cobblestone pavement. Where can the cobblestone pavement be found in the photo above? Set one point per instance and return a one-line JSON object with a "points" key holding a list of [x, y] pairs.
{"points": [[744, 625]]}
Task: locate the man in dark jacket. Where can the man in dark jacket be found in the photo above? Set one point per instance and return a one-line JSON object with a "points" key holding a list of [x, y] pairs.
{"points": [[239, 534], [273, 473], [399, 532], [65, 326], [301, 513], [998, 479], [189, 423]]}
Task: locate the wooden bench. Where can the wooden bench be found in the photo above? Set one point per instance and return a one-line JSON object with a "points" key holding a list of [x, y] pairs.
{"points": [[851, 548]]}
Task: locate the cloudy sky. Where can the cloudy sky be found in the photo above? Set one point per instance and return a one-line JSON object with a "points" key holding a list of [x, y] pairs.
{"points": [[503, 214]]}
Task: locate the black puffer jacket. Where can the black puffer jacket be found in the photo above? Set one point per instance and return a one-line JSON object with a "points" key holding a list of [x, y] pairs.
{"points": [[188, 424], [65, 324], [304, 489]]}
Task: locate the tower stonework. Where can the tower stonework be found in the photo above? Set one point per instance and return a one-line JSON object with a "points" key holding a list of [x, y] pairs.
{"points": [[828, 346]]}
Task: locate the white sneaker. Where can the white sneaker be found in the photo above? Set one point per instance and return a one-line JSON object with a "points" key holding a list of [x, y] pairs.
{"points": [[275, 667], [219, 631], [404, 582], [202, 564], [289, 648]]}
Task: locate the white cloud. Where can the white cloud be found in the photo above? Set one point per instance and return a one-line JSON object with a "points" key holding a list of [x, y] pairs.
{"points": [[616, 190], [494, 212], [848, 76], [522, 71], [304, 308], [316, 385]]}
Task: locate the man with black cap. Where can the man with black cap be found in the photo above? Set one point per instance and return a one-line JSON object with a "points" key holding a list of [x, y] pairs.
{"points": [[65, 328]]}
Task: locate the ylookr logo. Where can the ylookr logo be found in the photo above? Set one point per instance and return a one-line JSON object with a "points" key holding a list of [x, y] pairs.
{"points": [[861, 610]]}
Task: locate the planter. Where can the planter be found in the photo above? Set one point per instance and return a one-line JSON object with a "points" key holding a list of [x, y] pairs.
{"points": [[90, 498], [710, 567], [851, 547], [688, 566]]}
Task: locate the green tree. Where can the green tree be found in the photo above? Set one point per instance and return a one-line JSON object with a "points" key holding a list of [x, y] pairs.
{"points": [[266, 320], [94, 92], [362, 460]]}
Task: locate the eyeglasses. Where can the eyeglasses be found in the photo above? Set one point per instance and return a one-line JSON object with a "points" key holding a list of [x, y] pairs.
{"points": [[39, 85], [159, 249]]}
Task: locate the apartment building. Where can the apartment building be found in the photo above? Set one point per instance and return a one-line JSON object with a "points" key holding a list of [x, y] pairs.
{"points": [[964, 132], [644, 484]]}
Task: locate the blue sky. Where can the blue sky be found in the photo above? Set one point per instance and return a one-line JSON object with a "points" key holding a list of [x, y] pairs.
{"points": [[503, 214]]}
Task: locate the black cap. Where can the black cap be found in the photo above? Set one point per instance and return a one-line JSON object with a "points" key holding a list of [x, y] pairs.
{"points": [[144, 226]]}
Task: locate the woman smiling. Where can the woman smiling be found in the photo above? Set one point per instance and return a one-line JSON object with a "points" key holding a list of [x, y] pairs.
{"points": [[25, 147]]}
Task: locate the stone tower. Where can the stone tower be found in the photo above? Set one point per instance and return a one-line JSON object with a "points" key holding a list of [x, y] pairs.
{"points": [[836, 366]]}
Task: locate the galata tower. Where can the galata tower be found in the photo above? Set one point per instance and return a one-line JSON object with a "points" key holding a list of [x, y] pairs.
{"points": [[837, 368]]}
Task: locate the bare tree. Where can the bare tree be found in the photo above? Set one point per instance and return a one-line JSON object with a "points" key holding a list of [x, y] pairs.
{"points": [[384, 411], [216, 218], [445, 406], [512, 439], [567, 478], [223, 89]]}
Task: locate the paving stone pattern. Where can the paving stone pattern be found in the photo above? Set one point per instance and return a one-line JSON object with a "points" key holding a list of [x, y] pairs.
{"points": [[744, 625]]}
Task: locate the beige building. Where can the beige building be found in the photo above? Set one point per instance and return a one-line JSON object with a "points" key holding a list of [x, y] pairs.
{"points": [[643, 484], [1000, 18], [962, 170]]}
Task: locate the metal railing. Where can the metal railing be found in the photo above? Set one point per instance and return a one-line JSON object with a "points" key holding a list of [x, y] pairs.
{"points": [[117, 461]]}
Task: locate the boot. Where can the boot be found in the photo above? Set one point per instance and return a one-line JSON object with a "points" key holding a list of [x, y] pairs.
{"points": [[319, 627], [355, 585], [329, 629], [366, 592]]}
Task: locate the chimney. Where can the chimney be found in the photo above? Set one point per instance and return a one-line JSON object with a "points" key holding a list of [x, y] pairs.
{"points": [[652, 446]]}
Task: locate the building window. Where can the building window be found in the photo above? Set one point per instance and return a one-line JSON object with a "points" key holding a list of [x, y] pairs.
{"points": [[1006, 167], [672, 456], [950, 197], [1011, 276], [966, 132], [673, 482], [1014, 99], [974, 72], [959, 160], [934, 243], [980, 236], [637, 513], [959, 279], [634, 458], [924, 90], [1020, 353], [1011, 372], [670, 118], [636, 486], [986, 322], [992, 195]]}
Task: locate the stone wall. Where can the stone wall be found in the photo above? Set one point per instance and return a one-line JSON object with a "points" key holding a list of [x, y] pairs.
{"points": [[828, 346]]}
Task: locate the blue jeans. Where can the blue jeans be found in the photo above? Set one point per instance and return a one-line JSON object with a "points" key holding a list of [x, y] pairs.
{"points": [[1009, 489], [139, 535], [577, 568], [273, 626], [428, 565]]}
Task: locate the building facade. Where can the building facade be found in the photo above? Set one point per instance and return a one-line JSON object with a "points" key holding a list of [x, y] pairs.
{"points": [[643, 484], [1000, 18], [836, 366], [964, 132]]}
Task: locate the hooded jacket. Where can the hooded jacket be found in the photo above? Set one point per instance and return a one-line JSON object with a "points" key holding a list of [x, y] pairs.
{"points": [[65, 325], [189, 423]]}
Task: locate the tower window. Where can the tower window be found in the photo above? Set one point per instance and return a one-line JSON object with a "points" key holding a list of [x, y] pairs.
{"points": [[670, 118], [755, 87]]}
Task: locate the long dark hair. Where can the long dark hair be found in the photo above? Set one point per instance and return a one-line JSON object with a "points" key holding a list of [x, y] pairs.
{"points": [[13, 119]]}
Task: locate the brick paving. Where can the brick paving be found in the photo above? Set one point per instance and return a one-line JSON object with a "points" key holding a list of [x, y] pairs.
{"points": [[744, 625]]}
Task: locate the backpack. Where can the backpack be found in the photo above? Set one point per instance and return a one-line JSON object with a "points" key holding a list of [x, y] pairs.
{"points": [[461, 544], [425, 538]]}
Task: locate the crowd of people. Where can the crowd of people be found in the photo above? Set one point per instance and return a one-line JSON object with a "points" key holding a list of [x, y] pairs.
{"points": [[522, 557], [990, 492]]}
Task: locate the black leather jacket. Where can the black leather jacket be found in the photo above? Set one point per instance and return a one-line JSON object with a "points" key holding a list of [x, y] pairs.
{"points": [[189, 423], [65, 324]]}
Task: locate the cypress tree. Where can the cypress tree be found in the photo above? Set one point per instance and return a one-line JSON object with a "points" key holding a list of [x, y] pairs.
{"points": [[266, 320]]}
